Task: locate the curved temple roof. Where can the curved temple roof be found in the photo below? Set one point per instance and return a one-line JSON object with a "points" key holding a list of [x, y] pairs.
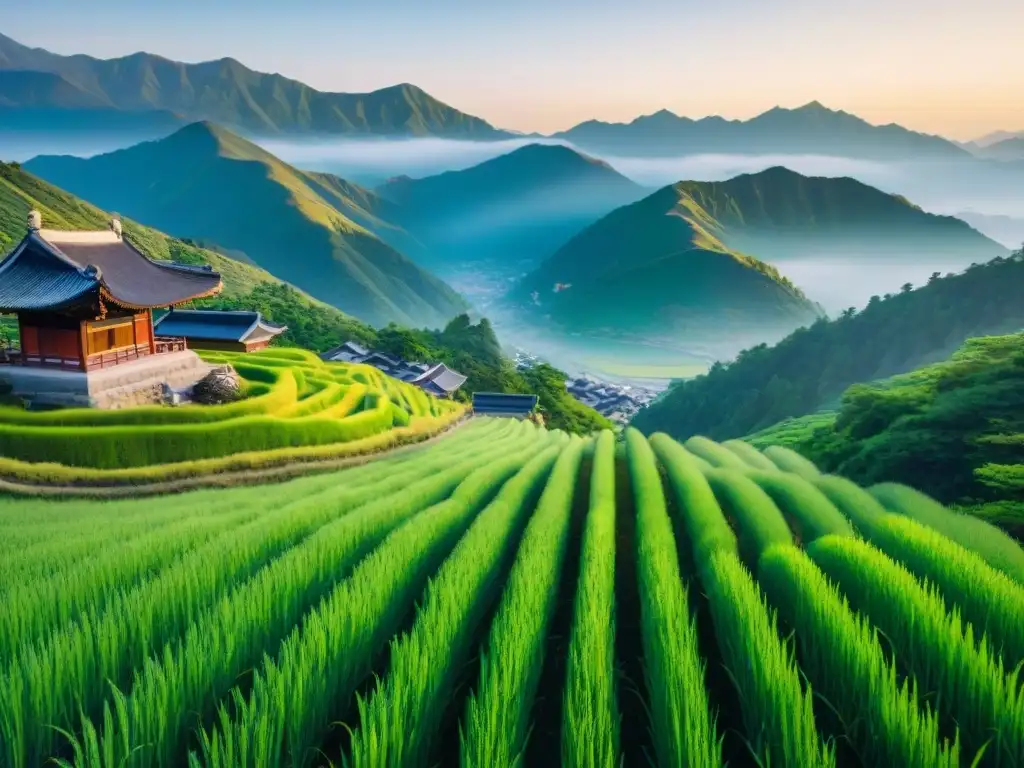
{"points": [[51, 269], [442, 377]]}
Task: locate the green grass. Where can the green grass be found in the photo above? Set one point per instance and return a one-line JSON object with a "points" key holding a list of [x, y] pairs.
{"points": [[456, 604]]}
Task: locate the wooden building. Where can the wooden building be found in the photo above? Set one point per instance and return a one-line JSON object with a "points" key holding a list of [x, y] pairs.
{"points": [[85, 300], [234, 331]]}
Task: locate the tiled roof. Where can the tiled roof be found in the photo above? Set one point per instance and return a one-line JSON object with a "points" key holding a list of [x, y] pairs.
{"points": [[213, 325], [497, 402], [37, 284], [442, 377], [51, 269]]}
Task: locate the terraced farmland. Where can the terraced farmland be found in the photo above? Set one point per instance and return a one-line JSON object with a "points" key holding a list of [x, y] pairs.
{"points": [[508, 596], [296, 408]]}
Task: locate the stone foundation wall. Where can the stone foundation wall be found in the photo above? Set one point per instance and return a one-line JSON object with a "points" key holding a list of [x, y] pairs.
{"points": [[139, 382]]}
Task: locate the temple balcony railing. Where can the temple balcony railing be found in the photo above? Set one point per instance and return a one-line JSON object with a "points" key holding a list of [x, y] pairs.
{"points": [[96, 361]]}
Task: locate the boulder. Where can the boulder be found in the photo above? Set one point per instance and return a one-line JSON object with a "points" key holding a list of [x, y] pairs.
{"points": [[221, 385]]}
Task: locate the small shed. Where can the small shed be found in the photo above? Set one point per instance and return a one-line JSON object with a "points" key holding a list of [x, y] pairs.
{"points": [[224, 330], [503, 405]]}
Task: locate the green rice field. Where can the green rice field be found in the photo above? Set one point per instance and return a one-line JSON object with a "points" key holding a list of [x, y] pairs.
{"points": [[510, 596], [295, 407]]}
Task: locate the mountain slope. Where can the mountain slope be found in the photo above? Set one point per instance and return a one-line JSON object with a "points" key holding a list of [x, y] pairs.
{"points": [[779, 214], [954, 429], [205, 182], [227, 92], [810, 129], [811, 367], [655, 269], [311, 323], [518, 207]]}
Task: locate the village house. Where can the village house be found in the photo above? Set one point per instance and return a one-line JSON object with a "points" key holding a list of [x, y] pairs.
{"points": [[437, 379], [84, 303], [218, 330]]}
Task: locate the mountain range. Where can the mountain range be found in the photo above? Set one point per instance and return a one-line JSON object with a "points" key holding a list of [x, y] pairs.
{"points": [[1011, 148], [516, 208], [52, 91], [223, 91], [810, 129], [207, 183]]}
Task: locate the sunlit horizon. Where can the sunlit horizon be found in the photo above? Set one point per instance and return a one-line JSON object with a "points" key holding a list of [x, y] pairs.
{"points": [[937, 67]]}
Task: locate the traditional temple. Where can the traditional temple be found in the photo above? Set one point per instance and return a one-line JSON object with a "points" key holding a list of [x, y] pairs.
{"points": [[232, 331], [84, 302]]}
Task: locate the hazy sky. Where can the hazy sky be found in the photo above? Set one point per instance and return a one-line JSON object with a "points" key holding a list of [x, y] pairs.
{"points": [[940, 66]]}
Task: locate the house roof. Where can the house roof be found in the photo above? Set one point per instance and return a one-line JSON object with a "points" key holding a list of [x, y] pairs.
{"points": [[499, 402], [50, 269], [441, 377], [215, 325]]}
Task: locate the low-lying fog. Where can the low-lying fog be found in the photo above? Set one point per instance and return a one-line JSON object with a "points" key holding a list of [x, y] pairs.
{"points": [[992, 191]]}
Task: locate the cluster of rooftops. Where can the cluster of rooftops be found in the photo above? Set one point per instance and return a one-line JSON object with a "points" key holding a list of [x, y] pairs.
{"points": [[615, 402], [436, 378]]}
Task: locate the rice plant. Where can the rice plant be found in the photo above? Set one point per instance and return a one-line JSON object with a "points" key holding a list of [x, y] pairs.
{"points": [[398, 722], [590, 720], [945, 656], [755, 518], [171, 688], [497, 720], [704, 524], [789, 460], [999, 550], [715, 454], [682, 724], [778, 712], [309, 684], [752, 457], [809, 512], [841, 655]]}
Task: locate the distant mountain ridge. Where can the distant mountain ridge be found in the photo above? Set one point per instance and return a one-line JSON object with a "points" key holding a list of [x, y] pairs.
{"points": [[810, 129], [656, 268], [779, 214], [1011, 148], [227, 92], [205, 182], [520, 206]]}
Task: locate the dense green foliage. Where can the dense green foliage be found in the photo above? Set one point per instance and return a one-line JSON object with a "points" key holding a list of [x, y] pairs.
{"points": [[813, 366], [481, 602], [954, 429]]}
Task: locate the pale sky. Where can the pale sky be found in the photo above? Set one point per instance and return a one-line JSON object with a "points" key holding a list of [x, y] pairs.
{"points": [[938, 66]]}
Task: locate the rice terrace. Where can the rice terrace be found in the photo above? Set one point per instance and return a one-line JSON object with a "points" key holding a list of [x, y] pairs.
{"points": [[505, 595]]}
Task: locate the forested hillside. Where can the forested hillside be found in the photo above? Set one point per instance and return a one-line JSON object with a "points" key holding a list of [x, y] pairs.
{"points": [[813, 366], [954, 429]]}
